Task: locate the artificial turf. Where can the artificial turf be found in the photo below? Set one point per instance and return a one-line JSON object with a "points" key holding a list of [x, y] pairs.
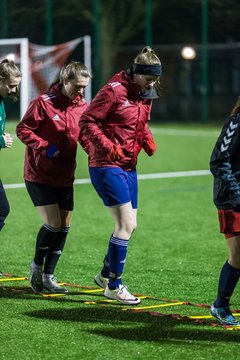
{"points": [[175, 255]]}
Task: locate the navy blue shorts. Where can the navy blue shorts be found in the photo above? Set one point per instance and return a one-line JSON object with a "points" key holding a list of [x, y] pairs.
{"points": [[115, 186], [42, 194]]}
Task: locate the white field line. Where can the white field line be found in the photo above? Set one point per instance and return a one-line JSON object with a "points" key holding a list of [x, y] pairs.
{"points": [[175, 132], [174, 174], [140, 177], [185, 132]]}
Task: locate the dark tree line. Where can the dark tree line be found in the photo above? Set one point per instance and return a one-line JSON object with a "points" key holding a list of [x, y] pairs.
{"points": [[121, 23], [174, 21]]}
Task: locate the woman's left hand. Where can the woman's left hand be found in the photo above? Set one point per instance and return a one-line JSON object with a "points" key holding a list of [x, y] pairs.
{"points": [[8, 140], [150, 147]]}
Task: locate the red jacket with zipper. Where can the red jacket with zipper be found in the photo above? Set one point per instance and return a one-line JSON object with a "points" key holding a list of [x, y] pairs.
{"points": [[117, 115], [51, 119]]}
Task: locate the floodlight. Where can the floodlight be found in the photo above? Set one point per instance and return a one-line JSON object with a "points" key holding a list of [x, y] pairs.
{"points": [[188, 53]]}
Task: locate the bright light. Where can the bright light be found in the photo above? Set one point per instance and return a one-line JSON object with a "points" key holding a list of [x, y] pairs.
{"points": [[188, 53], [10, 57]]}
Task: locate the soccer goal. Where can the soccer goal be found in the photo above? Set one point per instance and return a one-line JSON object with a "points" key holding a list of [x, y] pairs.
{"points": [[40, 64]]}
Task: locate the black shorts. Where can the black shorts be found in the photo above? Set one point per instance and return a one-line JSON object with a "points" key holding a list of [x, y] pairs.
{"points": [[42, 194]]}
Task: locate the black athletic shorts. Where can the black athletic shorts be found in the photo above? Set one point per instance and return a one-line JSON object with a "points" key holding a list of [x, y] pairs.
{"points": [[42, 194]]}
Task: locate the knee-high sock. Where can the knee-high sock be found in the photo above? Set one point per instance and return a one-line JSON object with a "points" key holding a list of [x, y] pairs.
{"points": [[117, 259], [55, 250], [227, 282], [105, 268], [45, 238]]}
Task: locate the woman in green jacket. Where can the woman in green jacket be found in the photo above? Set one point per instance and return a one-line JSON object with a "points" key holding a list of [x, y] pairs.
{"points": [[10, 77]]}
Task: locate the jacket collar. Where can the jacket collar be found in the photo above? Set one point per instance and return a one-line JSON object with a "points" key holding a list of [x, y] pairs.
{"points": [[57, 90], [125, 79], [135, 88]]}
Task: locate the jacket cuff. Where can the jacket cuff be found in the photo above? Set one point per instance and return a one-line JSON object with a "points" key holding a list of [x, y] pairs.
{"points": [[2, 142]]}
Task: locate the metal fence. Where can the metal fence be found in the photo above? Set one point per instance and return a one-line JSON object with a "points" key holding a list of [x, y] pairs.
{"points": [[182, 81]]}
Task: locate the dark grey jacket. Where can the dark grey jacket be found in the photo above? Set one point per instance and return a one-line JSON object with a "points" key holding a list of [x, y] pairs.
{"points": [[225, 165]]}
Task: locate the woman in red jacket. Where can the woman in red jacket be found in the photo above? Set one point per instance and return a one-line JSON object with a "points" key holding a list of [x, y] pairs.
{"points": [[116, 125], [51, 132]]}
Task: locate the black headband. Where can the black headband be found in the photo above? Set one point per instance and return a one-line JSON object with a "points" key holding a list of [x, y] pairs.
{"points": [[153, 69]]}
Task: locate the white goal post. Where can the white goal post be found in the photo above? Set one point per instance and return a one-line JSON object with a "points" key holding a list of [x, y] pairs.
{"points": [[18, 49]]}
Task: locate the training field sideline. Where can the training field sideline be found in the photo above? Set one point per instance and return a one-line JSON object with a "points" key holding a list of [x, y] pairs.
{"points": [[140, 177]]}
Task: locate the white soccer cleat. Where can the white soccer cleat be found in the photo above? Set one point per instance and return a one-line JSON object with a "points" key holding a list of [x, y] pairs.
{"points": [[50, 284], [101, 281], [122, 295], [36, 281]]}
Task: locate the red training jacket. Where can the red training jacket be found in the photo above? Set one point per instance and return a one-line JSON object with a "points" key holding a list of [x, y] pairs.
{"points": [[117, 115], [51, 119]]}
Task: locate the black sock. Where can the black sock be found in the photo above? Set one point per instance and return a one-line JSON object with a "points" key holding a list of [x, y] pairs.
{"points": [[46, 236], [227, 282], [55, 251]]}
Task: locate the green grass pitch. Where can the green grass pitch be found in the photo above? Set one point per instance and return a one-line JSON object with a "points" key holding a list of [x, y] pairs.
{"points": [[175, 254]]}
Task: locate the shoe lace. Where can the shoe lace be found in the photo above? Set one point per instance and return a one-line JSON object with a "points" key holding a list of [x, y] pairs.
{"points": [[53, 279], [227, 314], [123, 289]]}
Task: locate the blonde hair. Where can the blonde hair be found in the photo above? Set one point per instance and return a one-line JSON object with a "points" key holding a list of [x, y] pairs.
{"points": [[8, 70], [147, 57], [236, 108], [73, 70]]}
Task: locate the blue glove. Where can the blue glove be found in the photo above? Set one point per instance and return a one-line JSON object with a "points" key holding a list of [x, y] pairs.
{"points": [[52, 151]]}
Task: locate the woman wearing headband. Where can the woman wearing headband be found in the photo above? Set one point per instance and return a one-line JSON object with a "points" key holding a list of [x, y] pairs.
{"points": [[116, 126]]}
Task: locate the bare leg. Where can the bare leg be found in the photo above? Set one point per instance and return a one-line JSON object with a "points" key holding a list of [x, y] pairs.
{"points": [[125, 220], [234, 251]]}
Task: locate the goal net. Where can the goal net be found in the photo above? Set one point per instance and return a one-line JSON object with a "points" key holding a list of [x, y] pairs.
{"points": [[40, 64]]}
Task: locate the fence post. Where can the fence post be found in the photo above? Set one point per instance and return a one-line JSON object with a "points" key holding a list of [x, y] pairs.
{"points": [[204, 62]]}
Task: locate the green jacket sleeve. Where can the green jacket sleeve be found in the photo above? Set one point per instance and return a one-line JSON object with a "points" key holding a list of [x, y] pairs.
{"points": [[2, 142], [2, 124]]}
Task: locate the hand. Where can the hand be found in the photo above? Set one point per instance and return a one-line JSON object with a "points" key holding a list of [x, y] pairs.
{"points": [[8, 140], [52, 151], [150, 147], [116, 153]]}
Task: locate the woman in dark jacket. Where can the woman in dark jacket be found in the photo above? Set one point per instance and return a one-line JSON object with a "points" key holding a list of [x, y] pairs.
{"points": [[225, 167]]}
